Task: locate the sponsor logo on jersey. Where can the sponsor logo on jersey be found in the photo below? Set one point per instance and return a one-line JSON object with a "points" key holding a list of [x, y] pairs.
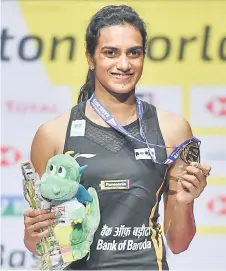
{"points": [[144, 153], [114, 184]]}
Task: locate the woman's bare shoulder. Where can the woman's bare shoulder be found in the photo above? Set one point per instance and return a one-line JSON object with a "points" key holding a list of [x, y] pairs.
{"points": [[174, 128], [55, 128], [48, 141]]}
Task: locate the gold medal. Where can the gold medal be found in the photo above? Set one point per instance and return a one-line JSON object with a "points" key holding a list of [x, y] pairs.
{"points": [[190, 153]]}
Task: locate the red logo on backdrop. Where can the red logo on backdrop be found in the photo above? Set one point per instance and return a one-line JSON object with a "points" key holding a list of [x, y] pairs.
{"points": [[9, 156], [217, 106], [25, 107], [217, 205]]}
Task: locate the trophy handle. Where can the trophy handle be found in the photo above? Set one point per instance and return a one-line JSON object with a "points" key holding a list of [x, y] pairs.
{"points": [[29, 194]]}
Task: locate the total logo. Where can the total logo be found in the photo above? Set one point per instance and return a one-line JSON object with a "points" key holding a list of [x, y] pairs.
{"points": [[19, 107], [217, 106], [217, 205], [9, 156]]}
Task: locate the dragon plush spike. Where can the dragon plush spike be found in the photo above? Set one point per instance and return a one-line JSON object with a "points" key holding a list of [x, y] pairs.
{"points": [[82, 169]]}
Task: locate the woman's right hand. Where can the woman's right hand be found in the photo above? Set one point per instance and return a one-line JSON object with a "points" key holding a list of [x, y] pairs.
{"points": [[34, 221]]}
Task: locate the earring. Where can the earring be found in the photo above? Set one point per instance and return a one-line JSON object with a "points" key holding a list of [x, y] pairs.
{"points": [[92, 68]]}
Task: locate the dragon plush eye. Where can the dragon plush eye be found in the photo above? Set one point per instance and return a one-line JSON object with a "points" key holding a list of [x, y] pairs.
{"points": [[62, 172], [52, 169]]}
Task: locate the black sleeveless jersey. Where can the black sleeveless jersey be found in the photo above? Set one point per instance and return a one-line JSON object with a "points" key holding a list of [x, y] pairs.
{"points": [[129, 187]]}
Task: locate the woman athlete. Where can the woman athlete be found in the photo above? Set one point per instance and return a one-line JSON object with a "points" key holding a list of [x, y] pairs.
{"points": [[111, 124]]}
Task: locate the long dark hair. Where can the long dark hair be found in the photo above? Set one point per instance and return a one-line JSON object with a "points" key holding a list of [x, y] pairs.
{"points": [[107, 16]]}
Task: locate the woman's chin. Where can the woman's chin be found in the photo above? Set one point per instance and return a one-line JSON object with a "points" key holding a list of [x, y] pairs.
{"points": [[122, 89]]}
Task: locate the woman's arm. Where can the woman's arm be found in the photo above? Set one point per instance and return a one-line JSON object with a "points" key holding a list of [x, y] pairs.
{"points": [[179, 221], [179, 224], [43, 147]]}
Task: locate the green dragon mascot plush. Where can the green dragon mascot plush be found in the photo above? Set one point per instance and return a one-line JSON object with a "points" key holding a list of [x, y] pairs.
{"points": [[78, 213]]}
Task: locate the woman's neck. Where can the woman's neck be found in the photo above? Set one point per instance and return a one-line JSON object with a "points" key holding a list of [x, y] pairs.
{"points": [[116, 103], [121, 106]]}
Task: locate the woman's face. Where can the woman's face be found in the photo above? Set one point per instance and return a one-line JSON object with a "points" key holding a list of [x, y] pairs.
{"points": [[118, 59]]}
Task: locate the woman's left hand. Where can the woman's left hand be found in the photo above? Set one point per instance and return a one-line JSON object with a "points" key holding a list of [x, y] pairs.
{"points": [[192, 181]]}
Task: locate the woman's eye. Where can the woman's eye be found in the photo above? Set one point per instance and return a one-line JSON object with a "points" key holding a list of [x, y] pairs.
{"points": [[135, 53], [52, 169], [62, 172], [110, 53]]}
